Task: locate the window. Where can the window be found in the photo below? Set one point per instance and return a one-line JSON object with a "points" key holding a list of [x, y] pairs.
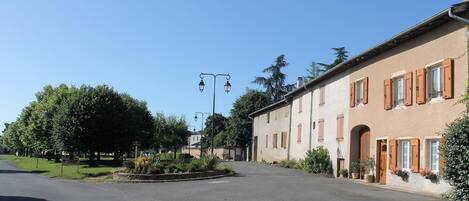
{"points": [[274, 140], [321, 130], [358, 92], [340, 127], [322, 95], [300, 104], [435, 82], [398, 91], [266, 141], [298, 135], [405, 154], [433, 155], [268, 117], [283, 142]]}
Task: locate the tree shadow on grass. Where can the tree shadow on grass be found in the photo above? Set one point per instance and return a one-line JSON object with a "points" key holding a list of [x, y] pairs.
{"points": [[20, 198], [21, 171]]}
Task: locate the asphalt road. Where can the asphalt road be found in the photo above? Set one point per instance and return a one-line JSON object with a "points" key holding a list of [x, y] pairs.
{"points": [[254, 183]]}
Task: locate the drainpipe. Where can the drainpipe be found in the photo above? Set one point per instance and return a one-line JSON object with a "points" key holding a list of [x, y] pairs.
{"points": [[289, 130], [452, 15], [310, 121]]}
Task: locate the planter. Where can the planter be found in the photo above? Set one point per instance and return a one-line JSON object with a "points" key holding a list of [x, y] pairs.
{"points": [[152, 178], [370, 178], [355, 175]]}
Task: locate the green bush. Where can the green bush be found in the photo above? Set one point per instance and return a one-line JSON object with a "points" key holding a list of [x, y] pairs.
{"points": [[344, 173], [287, 163], [195, 165], [300, 164], [318, 161], [129, 164], [355, 167], [210, 162], [456, 156]]}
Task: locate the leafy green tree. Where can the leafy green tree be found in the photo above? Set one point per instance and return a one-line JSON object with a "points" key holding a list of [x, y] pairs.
{"points": [[171, 132], [219, 126], [220, 139], [239, 126], [314, 70], [274, 84], [456, 156], [11, 139]]}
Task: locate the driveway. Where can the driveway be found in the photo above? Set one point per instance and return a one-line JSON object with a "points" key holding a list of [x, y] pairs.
{"points": [[254, 183]]}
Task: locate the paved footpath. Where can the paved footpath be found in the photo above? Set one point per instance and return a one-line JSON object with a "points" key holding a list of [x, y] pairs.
{"points": [[254, 183]]}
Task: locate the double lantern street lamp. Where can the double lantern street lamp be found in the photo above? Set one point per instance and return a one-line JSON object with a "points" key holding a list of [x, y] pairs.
{"points": [[202, 127], [227, 89]]}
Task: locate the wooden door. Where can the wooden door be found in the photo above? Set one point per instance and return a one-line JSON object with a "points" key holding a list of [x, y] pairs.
{"points": [[364, 147], [255, 149], [382, 153]]}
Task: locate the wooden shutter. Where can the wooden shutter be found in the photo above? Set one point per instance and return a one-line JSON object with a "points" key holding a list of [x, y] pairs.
{"points": [[420, 87], [321, 130], [441, 156], [408, 88], [300, 104], [415, 155], [388, 94], [365, 90], [392, 154], [352, 94], [298, 136], [284, 139], [274, 141], [448, 79], [340, 127], [322, 95]]}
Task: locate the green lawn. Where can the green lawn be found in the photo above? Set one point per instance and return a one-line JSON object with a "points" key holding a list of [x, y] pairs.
{"points": [[51, 169]]}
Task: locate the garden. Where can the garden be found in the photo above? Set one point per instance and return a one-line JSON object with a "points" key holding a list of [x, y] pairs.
{"points": [[158, 168]]}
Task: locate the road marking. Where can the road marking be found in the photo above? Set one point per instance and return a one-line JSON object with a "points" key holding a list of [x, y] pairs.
{"points": [[218, 182]]}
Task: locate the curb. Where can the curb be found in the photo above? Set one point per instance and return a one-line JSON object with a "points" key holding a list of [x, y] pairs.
{"points": [[175, 180]]}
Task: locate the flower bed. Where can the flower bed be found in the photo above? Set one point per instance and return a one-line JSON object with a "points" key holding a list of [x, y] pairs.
{"points": [[151, 178]]}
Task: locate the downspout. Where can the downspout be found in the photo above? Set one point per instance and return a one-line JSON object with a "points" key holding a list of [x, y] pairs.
{"points": [[289, 130], [452, 15], [311, 121]]}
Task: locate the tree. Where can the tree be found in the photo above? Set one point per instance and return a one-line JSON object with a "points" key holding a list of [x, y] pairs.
{"points": [[171, 132], [316, 69], [239, 127], [274, 84], [219, 126]]}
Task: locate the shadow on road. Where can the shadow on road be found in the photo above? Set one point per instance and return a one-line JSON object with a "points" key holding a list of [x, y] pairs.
{"points": [[19, 198], [21, 171]]}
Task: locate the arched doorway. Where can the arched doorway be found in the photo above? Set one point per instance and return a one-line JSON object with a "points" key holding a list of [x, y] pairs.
{"points": [[360, 145]]}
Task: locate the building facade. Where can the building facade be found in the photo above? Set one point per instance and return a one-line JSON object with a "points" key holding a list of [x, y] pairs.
{"points": [[390, 103]]}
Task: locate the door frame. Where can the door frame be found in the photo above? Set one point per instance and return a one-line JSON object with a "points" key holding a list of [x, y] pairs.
{"points": [[379, 142]]}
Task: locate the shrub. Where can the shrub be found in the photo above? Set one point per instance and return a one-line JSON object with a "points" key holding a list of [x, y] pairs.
{"points": [[344, 173], [142, 164], [456, 155], [129, 165], [355, 167], [210, 162], [287, 163], [300, 164], [155, 169], [369, 165], [318, 161], [195, 165]]}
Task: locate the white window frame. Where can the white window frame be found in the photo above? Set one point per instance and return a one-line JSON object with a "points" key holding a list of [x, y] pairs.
{"points": [[409, 152], [429, 69], [429, 158], [359, 91], [397, 102]]}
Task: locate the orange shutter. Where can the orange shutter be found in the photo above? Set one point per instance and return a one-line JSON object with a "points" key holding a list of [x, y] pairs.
{"points": [[388, 94], [365, 90], [415, 150], [352, 94], [441, 157], [298, 136], [340, 127], [321, 130], [392, 154], [420, 87], [448, 79], [408, 88]]}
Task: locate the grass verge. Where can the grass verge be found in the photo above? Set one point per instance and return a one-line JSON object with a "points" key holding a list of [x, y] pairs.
{"points": [[53, 170]]}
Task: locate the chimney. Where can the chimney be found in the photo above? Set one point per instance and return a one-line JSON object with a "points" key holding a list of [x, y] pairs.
{"points": [[300, 82]]}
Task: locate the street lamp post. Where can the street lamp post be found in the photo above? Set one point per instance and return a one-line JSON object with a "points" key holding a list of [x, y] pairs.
{"points": [[202, 127], [227, 87]]}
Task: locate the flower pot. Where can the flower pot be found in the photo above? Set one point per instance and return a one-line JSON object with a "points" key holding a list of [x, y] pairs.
{"points": [[355, 175], [370, 178]]}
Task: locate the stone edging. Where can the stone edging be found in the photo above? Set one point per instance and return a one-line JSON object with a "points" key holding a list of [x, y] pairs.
{"points": [[175, 177]]}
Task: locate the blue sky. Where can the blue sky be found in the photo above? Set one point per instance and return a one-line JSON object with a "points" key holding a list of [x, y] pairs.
{"points": [[155, 50]]}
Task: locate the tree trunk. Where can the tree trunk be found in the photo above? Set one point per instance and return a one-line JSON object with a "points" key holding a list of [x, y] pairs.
{"points": [[91, 158], [175, 154]]}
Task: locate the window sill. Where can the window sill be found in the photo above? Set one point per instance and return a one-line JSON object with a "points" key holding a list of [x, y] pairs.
{"points": [[399, 107], [340, 139], [359, 105], [320, 140]]}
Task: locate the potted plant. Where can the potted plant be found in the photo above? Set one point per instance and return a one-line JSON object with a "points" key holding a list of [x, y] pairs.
{"points": [[369, 165], [355, 169], [344, 173]]}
